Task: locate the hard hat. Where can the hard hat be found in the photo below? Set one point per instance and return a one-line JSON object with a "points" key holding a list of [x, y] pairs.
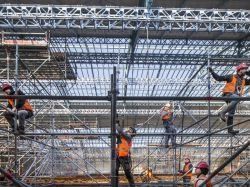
{"points": [[241, 66], [167, 105], [202, 165], [6, 86]]}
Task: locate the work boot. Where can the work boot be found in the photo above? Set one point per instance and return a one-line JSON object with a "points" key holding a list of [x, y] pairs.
{"points": [[229, 123], [222, 116], [13, 129], [21, 129]]}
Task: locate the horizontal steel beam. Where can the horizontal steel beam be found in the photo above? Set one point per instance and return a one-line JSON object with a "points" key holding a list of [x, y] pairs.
{"points": [[93, 135], [145, 58], [191, 43], [132, 18], [124, 98], [132, 112]]}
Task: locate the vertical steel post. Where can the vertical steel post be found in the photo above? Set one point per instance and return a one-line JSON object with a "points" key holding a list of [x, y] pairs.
{"points": [[53, 144], [174, 169], [8, 64], [114, 177], [182, 127], [15, 124], [231, 153], [209, 112]]}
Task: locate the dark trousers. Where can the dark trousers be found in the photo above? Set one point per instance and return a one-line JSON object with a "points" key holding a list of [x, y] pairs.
{"points": [[126, 163], [170, 129], [186, 181], [21, 116]]}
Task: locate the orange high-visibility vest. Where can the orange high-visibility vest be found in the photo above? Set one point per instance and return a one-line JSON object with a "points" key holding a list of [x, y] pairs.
{"points": [[230, 86], [123, 148], [186, 169], [26, 105], [167, 116], [208, 184]]}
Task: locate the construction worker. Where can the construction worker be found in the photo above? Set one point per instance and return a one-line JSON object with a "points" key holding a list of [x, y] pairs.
{"points": [[124, 144], [187, 172], [167, 119], [21, 108], [234, 88], [201, 170]]}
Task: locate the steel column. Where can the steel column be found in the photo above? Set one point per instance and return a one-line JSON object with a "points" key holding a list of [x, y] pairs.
{"points": [[114, 177]]}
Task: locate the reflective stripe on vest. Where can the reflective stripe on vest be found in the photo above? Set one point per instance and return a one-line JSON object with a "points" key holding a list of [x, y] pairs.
{"points": [[26, 105], [230, 86], [124, 147], [186, 169]]}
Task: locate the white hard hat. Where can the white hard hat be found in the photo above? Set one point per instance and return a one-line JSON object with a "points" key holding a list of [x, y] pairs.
{"points": [[167, 105]]}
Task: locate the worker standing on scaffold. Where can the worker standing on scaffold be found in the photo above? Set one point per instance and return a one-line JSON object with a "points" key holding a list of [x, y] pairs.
{"points": [[22, 109], [167, 119], [234, 88], [124, 144], [187, 172]]}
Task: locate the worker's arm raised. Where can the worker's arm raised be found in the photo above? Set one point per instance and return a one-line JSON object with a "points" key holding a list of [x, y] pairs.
{"points": [[217, 77], [123, 133]]}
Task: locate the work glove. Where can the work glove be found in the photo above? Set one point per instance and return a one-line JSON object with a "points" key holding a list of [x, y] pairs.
{"points": [[180, 171]]}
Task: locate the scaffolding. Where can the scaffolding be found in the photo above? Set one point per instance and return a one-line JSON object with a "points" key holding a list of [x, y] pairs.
{"points": [[69, 82]]}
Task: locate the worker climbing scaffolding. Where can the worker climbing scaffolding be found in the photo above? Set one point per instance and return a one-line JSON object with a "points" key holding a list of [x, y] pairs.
{"points": [[21, 108], [234, 88], [167, 116], [124, 144]]}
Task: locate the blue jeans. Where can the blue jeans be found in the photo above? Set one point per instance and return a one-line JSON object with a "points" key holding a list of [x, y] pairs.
{"points": [[231, 107], [170, 129]]}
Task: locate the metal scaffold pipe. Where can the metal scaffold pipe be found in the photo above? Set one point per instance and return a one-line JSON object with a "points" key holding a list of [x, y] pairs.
{"points": [[230, 159], [114, 177], [209, 110], [122, 98]]}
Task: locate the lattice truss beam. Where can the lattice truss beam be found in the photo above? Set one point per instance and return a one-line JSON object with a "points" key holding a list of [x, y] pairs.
{"points": [[134, 18], [76, 152]]}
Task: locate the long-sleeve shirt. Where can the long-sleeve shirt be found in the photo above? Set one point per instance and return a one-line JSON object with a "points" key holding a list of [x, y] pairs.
{"points": [[20, 102], [122, 133], [228, 78]]}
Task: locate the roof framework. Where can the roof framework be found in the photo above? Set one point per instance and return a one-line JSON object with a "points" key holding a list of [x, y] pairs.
{"points": [[157, 52]]}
